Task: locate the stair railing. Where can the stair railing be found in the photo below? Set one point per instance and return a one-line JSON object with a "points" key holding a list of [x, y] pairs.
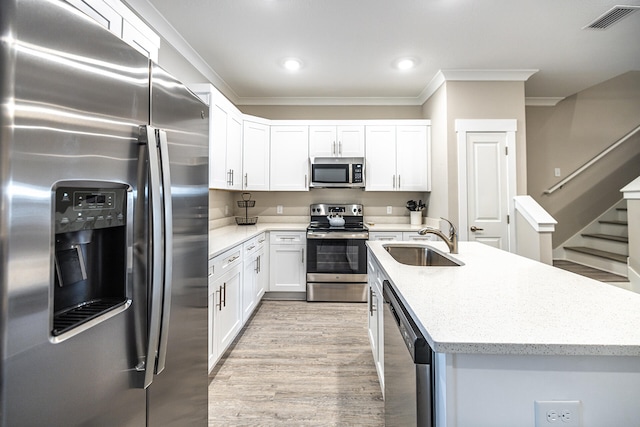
{"points": [[587, 165]]}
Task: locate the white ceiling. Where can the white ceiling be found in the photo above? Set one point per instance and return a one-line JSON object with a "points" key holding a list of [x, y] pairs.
{"points": [[348, 47]]}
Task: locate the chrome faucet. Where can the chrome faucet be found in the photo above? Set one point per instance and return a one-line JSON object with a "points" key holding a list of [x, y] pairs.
{"points": [[451, 241]]}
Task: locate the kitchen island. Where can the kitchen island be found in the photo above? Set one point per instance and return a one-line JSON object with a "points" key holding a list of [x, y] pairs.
{"points": [[509, 331]]}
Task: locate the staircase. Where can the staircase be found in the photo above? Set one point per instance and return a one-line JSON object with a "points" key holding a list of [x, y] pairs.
{"points": [[603, 244]]}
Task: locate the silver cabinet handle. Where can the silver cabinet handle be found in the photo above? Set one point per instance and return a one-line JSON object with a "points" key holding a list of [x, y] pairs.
{"points": [[474, 228], [398, 182], [219, 303], [302, 255], [251, 247], [246, 180], [333, 148], [224, 293], [261, 240], [305, 181], [340, 148], [394, 181], [230, 260], [370, 302]]}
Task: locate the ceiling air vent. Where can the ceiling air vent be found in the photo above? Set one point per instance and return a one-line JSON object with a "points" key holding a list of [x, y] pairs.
{"points": [[612, 16]]}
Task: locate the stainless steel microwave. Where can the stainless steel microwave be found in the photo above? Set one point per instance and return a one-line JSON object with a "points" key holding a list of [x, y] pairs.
{"points": [[337, 172]]}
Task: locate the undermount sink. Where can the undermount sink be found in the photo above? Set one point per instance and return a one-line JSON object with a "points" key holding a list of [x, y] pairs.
{"points": [[420, 255]]}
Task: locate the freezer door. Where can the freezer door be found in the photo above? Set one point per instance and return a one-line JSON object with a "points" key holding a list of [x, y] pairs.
{"points": [[178, 395], [73, 96]]}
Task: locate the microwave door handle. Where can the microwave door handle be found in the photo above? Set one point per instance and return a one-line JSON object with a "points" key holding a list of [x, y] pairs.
{"points": [[168, 249], [154, 280]]}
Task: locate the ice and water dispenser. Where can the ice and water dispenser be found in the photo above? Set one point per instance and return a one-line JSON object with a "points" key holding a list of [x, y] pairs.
{"points": [[90, 275]]}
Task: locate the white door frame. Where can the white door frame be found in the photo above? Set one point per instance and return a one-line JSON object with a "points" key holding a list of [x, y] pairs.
{"points": [[509, 127]]}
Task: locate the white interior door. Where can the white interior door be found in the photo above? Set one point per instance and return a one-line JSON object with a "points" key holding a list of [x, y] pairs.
{"points": [[487, 180], [487, 195]]}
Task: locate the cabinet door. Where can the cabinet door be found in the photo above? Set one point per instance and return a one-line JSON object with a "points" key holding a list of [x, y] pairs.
{"points": [[234, 152], [211, 341], [228, 310], [412, 158], [255, 156], [381, 158], [350, 141], [289, 158], [322, 141], [218, 174], [262, 277], [290, 274], [248, 286]]}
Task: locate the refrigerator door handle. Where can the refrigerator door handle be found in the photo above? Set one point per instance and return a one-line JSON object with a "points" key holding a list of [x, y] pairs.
{"points": [[168, 249], [157, 254]]}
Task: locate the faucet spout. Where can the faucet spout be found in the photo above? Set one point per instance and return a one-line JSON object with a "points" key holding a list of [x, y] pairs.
{"points": [[451, 240]]}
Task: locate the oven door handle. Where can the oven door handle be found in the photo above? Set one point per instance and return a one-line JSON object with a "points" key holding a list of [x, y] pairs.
{"points": [[336, 235]]}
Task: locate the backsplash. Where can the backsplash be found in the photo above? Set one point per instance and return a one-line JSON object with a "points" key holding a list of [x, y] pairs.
{"points": [[295, 205]]}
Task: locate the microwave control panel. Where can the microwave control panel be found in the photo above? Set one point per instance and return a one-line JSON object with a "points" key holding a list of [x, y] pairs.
{"points": [[357, 173]]}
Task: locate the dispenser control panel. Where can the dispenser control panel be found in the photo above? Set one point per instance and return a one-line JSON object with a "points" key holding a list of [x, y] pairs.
{"points": [[82, 208]]}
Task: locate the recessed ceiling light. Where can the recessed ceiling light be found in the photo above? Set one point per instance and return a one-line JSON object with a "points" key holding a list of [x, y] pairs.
{"points": [[406, 64], [292, 64]]}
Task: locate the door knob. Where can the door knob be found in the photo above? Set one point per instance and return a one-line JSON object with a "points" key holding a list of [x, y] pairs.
{"points": [[474, 228]]}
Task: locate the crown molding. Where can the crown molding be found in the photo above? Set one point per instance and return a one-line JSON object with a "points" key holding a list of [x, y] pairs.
{"points": [[543, 101], [330, 101]]}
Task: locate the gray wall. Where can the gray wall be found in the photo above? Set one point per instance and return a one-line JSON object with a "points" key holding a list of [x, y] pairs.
{"points": [[469, 100], [573, 132]]}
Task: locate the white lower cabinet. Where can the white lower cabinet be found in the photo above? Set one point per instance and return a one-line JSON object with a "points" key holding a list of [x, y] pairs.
{"points": [[287, 258], [225, 298], [254, 276], [375, 302]]}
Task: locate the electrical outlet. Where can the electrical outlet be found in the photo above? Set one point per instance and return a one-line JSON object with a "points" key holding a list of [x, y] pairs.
{"points": [[560, 413], [389, 210], [279, 209], [556, 172]]}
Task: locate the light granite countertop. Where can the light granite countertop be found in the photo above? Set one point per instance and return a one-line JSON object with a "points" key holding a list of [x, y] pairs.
{"points": [[502, 303], [224, 238]]}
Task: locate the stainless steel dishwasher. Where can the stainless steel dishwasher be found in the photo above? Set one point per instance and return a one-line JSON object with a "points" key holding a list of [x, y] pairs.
{"points": [[408, 367]]}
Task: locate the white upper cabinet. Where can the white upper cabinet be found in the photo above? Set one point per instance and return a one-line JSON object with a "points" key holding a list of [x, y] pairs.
{"points": [[289, 158], [121, 21], [397, 158], [255, 156], [225, 139], [413, 158], [336, 141]]}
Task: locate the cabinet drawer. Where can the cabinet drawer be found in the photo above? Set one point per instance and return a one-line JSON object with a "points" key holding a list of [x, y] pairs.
{"points": [[414, 236], [225, 262], [385, 235], [287, 238]]}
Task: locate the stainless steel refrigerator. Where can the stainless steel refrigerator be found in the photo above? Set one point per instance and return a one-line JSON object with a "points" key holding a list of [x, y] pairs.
{"points": [[103, 229]]}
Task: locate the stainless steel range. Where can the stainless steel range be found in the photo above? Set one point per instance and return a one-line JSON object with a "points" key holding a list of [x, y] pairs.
{"points": [[337, 253]]}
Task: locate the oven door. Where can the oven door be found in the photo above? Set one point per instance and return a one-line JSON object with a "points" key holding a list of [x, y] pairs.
{"points": [[336, 268], [331, 175]]}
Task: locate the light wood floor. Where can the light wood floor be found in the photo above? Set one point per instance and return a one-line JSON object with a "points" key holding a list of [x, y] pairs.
{"points": [[299, 364]]}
